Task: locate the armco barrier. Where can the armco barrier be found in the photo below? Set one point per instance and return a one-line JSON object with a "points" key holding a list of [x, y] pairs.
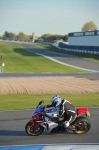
{"points": [[53, 147], [74, 48], [82, 49]]}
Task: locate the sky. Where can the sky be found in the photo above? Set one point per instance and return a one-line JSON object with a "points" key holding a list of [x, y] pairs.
{"points": [[47, 16]]}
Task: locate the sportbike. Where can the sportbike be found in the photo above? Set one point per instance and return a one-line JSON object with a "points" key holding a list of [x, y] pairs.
{"points": [[46, 119]]}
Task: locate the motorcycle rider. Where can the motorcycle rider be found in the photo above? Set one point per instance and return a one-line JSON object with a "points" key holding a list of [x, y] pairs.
{"points": [[66, 109]]}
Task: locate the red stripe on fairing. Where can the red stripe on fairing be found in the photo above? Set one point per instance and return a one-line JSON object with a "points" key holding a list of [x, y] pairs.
{"points": [[34, 123]]}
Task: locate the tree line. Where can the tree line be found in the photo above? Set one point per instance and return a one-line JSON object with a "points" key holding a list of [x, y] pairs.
{"points": [[86, 27], [22, 36], [13, 36]]}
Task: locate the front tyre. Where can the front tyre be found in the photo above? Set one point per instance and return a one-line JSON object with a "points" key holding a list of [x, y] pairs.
{"points": [[29, 128], [82, 125]]}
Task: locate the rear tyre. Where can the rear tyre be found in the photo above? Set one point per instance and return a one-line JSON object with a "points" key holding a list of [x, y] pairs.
{"points": [[82, 125], [30, 130]]}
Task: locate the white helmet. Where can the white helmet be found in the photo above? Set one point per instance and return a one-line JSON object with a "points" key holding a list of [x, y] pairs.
{"points": [[56, 101]]}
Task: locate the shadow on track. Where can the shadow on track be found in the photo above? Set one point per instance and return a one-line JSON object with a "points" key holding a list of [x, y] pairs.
{"points": [[12, 133], [23, 133]]}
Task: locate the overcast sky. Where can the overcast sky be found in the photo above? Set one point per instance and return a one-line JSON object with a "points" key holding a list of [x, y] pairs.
{"points": [[47, 16]]}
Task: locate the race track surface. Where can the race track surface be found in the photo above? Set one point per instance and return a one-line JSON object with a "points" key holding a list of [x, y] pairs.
{"points": [[91, 76], [12, 123], [12, 130], [64, 58]]}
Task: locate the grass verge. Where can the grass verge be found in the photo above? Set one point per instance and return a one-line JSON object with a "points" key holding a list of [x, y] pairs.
{"points": [[18, 60], [23, 102]]}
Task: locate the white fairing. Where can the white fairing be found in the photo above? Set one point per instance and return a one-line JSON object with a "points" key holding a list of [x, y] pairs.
{"points": [[51, 125], [52, 111]]}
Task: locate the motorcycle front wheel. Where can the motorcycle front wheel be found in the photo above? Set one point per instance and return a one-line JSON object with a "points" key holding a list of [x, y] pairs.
{"points": [[29, 128], [82, 125]]}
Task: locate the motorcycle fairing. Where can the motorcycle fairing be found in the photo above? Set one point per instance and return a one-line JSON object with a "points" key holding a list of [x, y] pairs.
{"points": [[50, 126], [52, 111], [35, 124], [37, 110], [83, 111]]}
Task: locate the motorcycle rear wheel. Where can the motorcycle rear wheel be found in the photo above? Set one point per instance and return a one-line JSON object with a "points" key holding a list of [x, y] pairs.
{"points": [[82, 125], [29, 128]]}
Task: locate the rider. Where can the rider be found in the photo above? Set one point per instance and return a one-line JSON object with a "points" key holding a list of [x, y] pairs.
{"points": [[66, 109]]}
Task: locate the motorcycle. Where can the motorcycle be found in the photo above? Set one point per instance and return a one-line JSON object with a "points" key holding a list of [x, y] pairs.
{"points": [[46, 119]]}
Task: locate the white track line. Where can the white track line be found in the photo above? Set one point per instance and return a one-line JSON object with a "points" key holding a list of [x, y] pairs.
{"points": [[64, 63], [59, 61]]}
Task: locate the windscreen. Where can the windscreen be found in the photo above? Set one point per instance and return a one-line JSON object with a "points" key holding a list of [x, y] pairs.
{"points": [[37, 110]]}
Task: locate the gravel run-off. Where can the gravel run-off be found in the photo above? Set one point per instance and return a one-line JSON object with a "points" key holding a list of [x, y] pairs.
{"points": [[48, 85]]}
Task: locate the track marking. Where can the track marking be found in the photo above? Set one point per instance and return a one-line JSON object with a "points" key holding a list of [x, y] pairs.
{"points": [[64, 63], [59, 61]]}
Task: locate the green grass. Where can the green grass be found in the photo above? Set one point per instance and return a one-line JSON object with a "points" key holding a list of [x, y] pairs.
{"points": [[23, 102], [93, 57], [18, 60]]}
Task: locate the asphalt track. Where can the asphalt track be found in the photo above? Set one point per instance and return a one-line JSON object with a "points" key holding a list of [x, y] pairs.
{"points": [[12, 123], [91, 76], [65, 58], [12, 130]]}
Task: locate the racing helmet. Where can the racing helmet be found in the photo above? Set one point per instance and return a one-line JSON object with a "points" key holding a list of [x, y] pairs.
{"points": [[56, 101]]}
